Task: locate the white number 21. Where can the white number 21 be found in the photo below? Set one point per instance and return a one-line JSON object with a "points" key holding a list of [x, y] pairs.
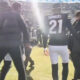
{"points": [[54, 24]]}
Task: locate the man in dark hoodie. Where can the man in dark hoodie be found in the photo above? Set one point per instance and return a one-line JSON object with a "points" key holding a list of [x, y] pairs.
{"points": [[74, 46], [11, 29]]}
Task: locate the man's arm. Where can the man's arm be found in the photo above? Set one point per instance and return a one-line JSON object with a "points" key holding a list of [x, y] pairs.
{"points": [[45, 40], [23, 29], [45, 31]]}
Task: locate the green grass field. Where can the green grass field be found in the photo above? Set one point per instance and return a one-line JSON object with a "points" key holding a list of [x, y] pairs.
{"points": [[42, 70]]}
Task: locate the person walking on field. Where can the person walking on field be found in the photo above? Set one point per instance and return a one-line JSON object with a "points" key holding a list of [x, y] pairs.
{"points": [[11, 29]]}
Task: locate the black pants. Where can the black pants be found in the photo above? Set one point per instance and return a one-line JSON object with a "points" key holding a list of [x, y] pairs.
{"points": [[17, 59], [5, 69], [76, 62]]}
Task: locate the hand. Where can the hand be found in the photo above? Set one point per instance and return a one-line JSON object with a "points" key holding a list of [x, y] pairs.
{"points": [[46, 52]]}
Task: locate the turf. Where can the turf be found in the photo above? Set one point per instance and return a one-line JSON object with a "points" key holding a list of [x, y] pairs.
{"points": [[42, 70]]}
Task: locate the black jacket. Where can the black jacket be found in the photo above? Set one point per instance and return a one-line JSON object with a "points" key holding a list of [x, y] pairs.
{"points": [[12, 28], [74, 44]]}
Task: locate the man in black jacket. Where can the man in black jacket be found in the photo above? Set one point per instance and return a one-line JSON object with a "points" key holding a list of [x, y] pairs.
{"points": [[11, 29], [74, 46]]}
